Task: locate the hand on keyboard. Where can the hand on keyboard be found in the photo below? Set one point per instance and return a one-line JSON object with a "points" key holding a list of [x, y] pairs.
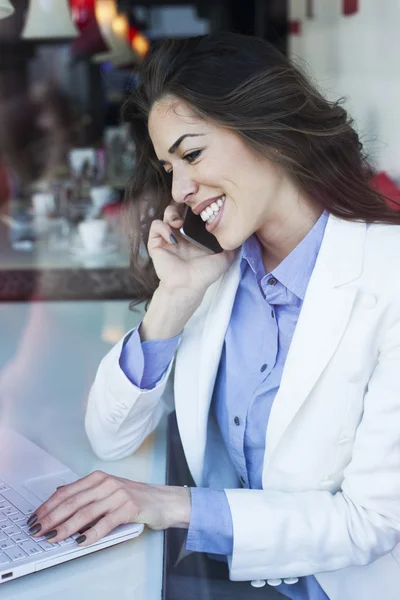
{"points": [[15, 541], [99, 502]]}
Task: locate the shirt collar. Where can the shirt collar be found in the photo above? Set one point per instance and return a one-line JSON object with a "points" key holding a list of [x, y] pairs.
{"points": [[295, 270]]}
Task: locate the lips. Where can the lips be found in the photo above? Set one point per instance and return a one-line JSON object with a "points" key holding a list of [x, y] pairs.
{"points": [[200, 207]]}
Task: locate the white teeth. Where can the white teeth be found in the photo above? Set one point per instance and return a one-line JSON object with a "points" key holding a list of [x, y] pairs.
{"points": [[209, 213]]}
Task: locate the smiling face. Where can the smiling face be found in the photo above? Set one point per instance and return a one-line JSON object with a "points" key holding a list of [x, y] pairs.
{"points": [[212, 165]]}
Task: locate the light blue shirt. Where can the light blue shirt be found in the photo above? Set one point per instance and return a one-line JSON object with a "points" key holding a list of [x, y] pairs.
{"points": [[257, 341]]}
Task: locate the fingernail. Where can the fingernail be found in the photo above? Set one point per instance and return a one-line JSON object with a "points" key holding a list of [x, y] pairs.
{"points": [[173, 239], [32, 520], [51, 534], [80, 539], [35, 529]]}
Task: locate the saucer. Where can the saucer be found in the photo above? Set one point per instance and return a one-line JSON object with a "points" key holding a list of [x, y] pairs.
{"points": [[106, 249]]}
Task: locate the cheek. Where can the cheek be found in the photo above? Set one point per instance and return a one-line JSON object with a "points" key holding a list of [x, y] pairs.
{"points": [[210, 174], [217, 170], [237, 226]]}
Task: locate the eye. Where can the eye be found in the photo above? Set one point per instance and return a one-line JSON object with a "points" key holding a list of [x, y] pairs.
{"points": [[191, 157]]}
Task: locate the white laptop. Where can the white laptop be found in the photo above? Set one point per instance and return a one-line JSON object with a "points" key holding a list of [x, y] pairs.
{"points": [[28, 477]]}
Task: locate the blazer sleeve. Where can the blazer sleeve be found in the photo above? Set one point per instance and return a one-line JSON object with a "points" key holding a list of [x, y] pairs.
{"points": [[282, 534], [119, 415]]}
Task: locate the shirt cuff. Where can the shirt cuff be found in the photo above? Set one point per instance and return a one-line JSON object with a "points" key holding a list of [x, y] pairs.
{"points": [[144, 363], [210, 528], [157, 356]]}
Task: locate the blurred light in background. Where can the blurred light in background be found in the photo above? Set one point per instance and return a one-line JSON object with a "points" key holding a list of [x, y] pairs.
{"points": [[6, 9], [139, 42], [114, 28], [49, 20], [120, 26]]}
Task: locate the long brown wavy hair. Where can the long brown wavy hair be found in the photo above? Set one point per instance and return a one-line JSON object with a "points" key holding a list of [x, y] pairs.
{"points": [[245, 85]]}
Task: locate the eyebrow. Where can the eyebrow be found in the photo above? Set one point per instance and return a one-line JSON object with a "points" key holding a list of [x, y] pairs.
{"points": [[178, 142]]}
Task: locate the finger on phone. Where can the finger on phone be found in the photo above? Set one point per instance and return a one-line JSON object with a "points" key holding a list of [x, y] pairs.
{"points": [[172, 216], [160, 231]]}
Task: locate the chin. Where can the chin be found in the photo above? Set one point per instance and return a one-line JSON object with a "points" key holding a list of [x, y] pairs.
{"points": [[230, 243]]}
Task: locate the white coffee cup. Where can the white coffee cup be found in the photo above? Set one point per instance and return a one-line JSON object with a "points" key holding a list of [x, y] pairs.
{"points": [[101, 195], [93, 234]]}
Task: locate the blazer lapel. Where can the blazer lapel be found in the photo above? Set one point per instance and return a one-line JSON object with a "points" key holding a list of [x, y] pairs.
{"points": [[323, 319], [197, 365]]}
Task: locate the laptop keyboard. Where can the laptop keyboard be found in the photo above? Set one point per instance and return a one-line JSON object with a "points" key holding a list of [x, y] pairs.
{"points": [[15, 541]]}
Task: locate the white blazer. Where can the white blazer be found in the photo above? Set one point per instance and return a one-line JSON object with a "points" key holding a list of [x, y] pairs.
{"points": [[330, 504]]}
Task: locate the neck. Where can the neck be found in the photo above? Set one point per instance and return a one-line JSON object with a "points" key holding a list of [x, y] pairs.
{"points": [[284, 230]]}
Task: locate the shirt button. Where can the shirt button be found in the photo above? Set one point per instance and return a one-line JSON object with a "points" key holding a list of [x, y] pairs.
{"points": [[274, 582], [326, 482], [258, 583], [236, 420], [290, 580], [272, 281], [343, 440], [263, 368]]}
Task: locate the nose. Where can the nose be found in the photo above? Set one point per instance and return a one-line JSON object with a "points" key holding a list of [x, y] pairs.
{"points": [[183, 187]]}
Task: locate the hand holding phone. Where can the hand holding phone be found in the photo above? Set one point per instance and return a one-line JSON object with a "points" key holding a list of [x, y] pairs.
{"points": [[194, 230], [183, 263]]}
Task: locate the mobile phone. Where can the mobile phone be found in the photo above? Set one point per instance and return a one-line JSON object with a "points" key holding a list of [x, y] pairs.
{"points": [[194, 230]]}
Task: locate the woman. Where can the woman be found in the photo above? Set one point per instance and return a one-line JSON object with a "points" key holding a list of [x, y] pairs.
{"points": [[287, 344]]}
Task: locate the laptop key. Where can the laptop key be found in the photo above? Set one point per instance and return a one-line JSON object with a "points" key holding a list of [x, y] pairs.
{"points": [[15, 553], [12, 530], [18, 517], [10, 511], [46, 546], [31, 548], [7, 543], [3, 486], [24, 528], [4, 504], [5, 524], [19, 502], [3, 559], [67, 542], [21, 537]]}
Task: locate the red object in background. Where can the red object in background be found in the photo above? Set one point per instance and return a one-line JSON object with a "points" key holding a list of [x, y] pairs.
{"points": [[132, 32], [350, 7], [112, 210], [90, 41], [383, 184], [295, 27], [82, 11]]}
